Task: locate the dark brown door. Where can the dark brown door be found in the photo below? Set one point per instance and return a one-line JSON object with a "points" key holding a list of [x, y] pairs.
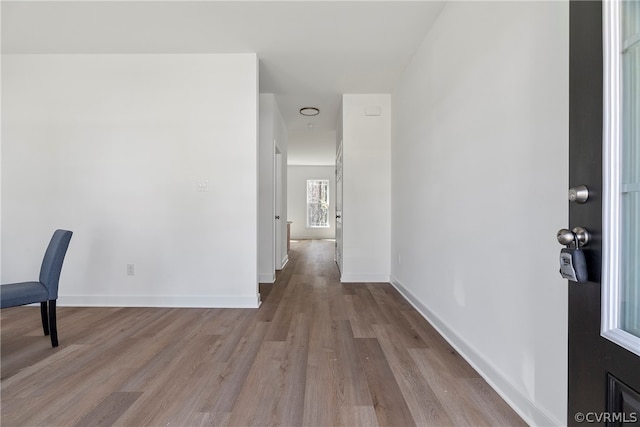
{"points": [[604, 377]]}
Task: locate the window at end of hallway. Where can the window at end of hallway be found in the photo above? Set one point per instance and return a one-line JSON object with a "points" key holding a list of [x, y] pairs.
{"points": [[317, 203]]}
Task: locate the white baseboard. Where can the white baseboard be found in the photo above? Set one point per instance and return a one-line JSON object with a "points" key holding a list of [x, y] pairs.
{"points": [[285, 260], [174, 301], [520, 403], [364, 278], [267, 278]]}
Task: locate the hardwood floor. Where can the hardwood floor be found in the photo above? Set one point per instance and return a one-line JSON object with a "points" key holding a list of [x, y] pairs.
{"points": [[316, 353]]}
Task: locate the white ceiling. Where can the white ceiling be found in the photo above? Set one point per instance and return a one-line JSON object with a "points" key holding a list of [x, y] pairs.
{"points": [[310, 51]]}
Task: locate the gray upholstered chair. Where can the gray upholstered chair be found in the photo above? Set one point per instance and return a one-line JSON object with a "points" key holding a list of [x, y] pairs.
{"points": [[45, 289]]}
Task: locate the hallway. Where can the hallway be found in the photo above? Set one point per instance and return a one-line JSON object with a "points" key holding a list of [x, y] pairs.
{"points": [[371, 358], [316, 353]]}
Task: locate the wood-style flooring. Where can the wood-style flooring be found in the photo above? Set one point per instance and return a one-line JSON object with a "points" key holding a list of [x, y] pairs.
{"points": [[316, 353]]}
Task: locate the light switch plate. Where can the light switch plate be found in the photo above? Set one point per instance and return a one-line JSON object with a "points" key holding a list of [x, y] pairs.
{"points": [[202, 186]]}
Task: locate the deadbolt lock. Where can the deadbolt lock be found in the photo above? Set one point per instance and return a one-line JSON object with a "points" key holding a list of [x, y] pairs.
{"points": [[579, 194]]}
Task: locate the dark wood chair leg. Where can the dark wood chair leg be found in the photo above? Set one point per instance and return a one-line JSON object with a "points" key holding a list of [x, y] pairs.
{"points": [[45, 317], [52, 323]]}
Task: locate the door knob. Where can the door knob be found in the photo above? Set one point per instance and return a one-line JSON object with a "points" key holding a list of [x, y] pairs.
{"points": [[580, 235], [583, 235], [565, 237]]}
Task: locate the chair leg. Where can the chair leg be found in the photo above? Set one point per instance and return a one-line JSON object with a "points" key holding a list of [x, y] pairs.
{"points": [[52, 323], [45, 317]]}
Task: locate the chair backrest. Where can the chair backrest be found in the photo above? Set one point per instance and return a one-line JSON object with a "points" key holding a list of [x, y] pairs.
{"points": [[52, 262]]}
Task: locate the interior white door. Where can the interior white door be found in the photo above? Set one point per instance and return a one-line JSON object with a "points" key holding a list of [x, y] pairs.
{"points": [[278, 220], [338, 255]]}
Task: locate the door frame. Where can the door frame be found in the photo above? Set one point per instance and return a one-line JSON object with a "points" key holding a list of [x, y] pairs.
{"points": [[278, 189], [339, 213]]}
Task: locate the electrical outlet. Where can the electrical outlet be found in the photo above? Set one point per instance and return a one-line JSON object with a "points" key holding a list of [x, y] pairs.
{"points": [[131, 269]]}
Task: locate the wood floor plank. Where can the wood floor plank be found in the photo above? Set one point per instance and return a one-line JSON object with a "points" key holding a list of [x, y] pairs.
{"points": [[449, 357], [260, 396], [162, 354], [204, 419], [495, 409], [337, 303], [400, 328], [228, 384], [368, 307], [388, 402], [360, 324], [386, 294], [20, 347], [423, 403], [293, 369], [171, 392], [450, 392], [350, 416], [232, 326], [273, 393], [23, 350], [352, 381], [321, 397], [96, 378], [223, 322], [316, 353], [290, 305], [109, 410], [114, 324], [22, 384]]}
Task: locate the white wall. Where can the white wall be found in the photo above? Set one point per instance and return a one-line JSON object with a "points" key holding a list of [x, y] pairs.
{"points": [[112, 147], [479, 182], [366, 211], [297, 201], [273, 133], [312, 148]]}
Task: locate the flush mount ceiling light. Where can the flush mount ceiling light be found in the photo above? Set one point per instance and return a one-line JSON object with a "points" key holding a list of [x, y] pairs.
{"points": [[309, 111]]}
